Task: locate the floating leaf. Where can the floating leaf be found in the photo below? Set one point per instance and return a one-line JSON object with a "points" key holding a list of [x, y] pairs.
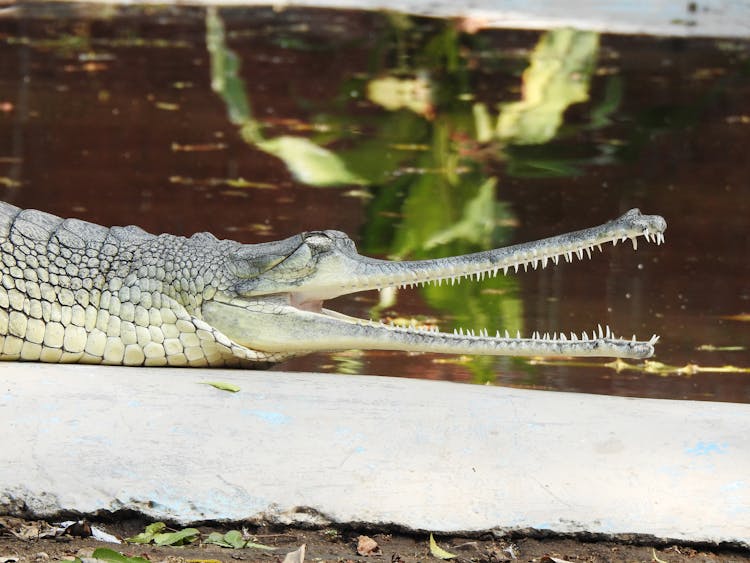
{"points": [[713, 348], [742, 317], [648, 366], [204, 147], [167, 106], [223, 386], [242, 183], [438, 551]]}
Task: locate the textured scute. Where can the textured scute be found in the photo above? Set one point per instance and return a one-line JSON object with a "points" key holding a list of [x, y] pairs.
{"points": [[72, 291]]}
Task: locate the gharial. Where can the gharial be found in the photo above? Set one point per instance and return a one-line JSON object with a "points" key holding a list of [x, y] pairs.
{"points": [[73, 291]]}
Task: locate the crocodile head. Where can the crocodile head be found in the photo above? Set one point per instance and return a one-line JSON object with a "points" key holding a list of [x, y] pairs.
{"points": [[275, 305]]}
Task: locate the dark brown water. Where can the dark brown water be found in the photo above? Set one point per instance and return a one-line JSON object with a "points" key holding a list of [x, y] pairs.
{"points": [[110, 116]]}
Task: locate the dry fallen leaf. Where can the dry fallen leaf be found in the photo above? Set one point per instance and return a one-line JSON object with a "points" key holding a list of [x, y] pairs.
{"points": [[367, 546], [24, 530], [438, 551], [204, 147], [549, 559], [297, 556]]}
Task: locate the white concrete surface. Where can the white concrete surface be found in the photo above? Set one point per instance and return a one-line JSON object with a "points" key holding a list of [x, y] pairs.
{"points": [[703, 18], [301, 447]]}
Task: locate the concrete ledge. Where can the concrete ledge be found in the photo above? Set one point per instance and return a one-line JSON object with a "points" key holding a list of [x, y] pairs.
{"points": [[314, 448], [707, 18]]}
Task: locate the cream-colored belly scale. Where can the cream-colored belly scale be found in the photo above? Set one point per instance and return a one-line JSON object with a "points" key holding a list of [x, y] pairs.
{"points": [[73, 291]]}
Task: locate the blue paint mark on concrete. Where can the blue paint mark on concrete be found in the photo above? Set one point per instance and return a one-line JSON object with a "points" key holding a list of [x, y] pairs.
{"points": [[734, 486], [706, 448], [271, 417]]}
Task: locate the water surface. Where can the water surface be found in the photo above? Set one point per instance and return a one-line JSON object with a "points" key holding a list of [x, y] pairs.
{"points": [[412, 136]]}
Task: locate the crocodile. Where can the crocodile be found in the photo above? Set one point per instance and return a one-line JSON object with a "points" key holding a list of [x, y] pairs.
{"points": [[74, 291]]}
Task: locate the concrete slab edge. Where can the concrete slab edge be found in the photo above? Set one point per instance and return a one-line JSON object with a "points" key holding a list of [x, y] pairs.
{"points": [[314, 449], [709, 18]]}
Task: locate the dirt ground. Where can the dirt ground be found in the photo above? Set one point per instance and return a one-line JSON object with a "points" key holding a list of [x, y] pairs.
{"points": [[336, 545]]}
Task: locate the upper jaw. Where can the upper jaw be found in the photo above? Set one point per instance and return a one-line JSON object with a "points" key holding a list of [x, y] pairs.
{"points": [[348, 272]]}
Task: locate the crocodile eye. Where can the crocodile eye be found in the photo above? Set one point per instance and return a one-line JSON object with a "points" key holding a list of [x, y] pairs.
{"points": [[318, 241]]}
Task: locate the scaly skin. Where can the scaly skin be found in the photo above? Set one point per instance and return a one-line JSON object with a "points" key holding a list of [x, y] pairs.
{"points": [[73, 291]]}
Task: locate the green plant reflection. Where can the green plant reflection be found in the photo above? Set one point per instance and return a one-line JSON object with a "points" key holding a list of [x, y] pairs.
{"points": [[424, 159]]}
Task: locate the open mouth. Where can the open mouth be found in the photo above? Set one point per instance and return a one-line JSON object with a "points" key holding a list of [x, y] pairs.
{"points": [[293, 319]]}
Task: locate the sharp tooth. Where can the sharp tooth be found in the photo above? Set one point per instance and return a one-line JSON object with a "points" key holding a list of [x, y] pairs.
{"points": [[563, 337], [601, 332], [579, 253], [585, 336], [544, 261], [573, 336], [607, 332], [599, 246], [614, 242], [518, 334], [633, 338], [588, 252], [569, 256], [635, 243], [654, 339], [507, 334]]}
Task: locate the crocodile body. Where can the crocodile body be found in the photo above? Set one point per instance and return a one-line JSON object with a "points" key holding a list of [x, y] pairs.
{"points": [[73, 291]]}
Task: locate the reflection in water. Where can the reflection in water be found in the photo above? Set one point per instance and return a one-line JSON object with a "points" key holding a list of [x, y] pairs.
{"points": [[447, 201], [429, 141]]}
